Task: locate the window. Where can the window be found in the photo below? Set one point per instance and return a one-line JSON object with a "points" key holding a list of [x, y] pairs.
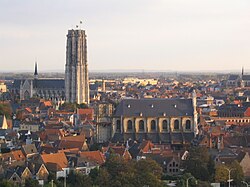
{"points": [[176, 124], [188, 124], [153, 125], [173, 164], [165, 125], [118, 125], [141, 125], [129, 125]]}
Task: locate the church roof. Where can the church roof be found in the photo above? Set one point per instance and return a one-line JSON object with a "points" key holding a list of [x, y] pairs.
{"points": [[49, 83], [155, 107], [233, 77], [246, 77], [42, 83]]}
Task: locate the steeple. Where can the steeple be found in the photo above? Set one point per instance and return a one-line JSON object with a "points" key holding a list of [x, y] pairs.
{"points": [[242, 71], [35, 73]]}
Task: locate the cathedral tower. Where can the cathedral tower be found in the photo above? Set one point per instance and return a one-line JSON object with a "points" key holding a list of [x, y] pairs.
{"points": [[76, 68]]}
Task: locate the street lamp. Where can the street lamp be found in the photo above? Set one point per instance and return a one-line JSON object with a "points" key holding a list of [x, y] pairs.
{"points": [[188, 180], [244, 182], [229, 176]]}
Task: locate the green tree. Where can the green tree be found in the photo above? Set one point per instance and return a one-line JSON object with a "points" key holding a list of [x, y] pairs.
{"points": [[148, 172], [237, 172], [31, 183], [199, 164], [103, 178], [77, 179], [6, 183], [211, 168], [222, 173]]}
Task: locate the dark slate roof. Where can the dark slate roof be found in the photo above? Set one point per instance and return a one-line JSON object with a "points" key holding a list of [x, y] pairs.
{"points": [[49, 83], [42, 83], [233, 77], [17, 83], [246, 77], [155, 107]]}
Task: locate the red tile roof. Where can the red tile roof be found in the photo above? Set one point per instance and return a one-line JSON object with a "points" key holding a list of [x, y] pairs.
{"points": [[96, 156], [56, 158]]}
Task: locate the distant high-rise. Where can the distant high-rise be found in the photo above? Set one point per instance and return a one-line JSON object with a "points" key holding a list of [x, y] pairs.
{"points": [[76, 68]]}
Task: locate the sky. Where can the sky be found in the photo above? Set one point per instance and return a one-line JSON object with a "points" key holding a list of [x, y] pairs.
{"points": [[143, 35]]}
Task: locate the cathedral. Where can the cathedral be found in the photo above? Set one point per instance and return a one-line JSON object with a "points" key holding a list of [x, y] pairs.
{"points": [[75, 87], [51, 89]]}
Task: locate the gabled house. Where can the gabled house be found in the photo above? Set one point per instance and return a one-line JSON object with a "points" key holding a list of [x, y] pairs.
{"points": [[19, 175], [56, 163]]}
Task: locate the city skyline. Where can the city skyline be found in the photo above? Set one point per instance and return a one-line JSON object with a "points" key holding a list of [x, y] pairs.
{"points": [[132, 35]]}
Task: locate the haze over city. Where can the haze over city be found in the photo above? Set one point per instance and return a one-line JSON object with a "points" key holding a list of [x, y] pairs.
{"points": [[165, 35]]}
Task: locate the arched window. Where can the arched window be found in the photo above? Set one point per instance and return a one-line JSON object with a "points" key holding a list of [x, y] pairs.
{"points": [[165, 125], [26, 95], [153, 125], [176, 124], [141, 125], [129, 125], [188, 125], [118, 125]]}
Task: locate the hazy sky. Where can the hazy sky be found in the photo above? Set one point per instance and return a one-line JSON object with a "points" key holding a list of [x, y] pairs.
{"points": [[172, 35]]}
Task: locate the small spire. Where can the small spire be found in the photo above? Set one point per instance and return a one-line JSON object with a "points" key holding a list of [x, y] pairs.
{"points": [[242, 71], [35, 73]]}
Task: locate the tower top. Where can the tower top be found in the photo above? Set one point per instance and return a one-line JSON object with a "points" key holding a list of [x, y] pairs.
{"points": [[242, 71]]}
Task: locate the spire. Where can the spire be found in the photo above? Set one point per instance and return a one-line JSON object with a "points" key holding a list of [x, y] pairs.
{"points": [[35, 73], [242, 71]]}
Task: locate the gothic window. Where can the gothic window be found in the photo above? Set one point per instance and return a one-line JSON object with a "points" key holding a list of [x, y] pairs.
{"points": [[26, 95], [118, 125], [141, 125], [188, 124], [176, 124], [153, 125], [129, 124], [165, 125]]}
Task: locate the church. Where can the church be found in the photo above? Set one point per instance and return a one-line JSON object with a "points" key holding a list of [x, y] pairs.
{"points": [[169, 121], [51, 89], [75, 86]]}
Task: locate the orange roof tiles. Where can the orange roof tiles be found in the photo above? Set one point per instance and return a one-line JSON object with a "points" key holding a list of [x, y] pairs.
{"points": [[96, 156], [56, 158], [18, 155]]}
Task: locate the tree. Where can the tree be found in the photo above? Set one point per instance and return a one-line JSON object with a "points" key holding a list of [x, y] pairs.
{"points": [[237, 172], [77, 179], [6, 183], [199, 164], [103, 178], [211, 168], [187, 177], [148, 172], [222, 173], [31, 182]]}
